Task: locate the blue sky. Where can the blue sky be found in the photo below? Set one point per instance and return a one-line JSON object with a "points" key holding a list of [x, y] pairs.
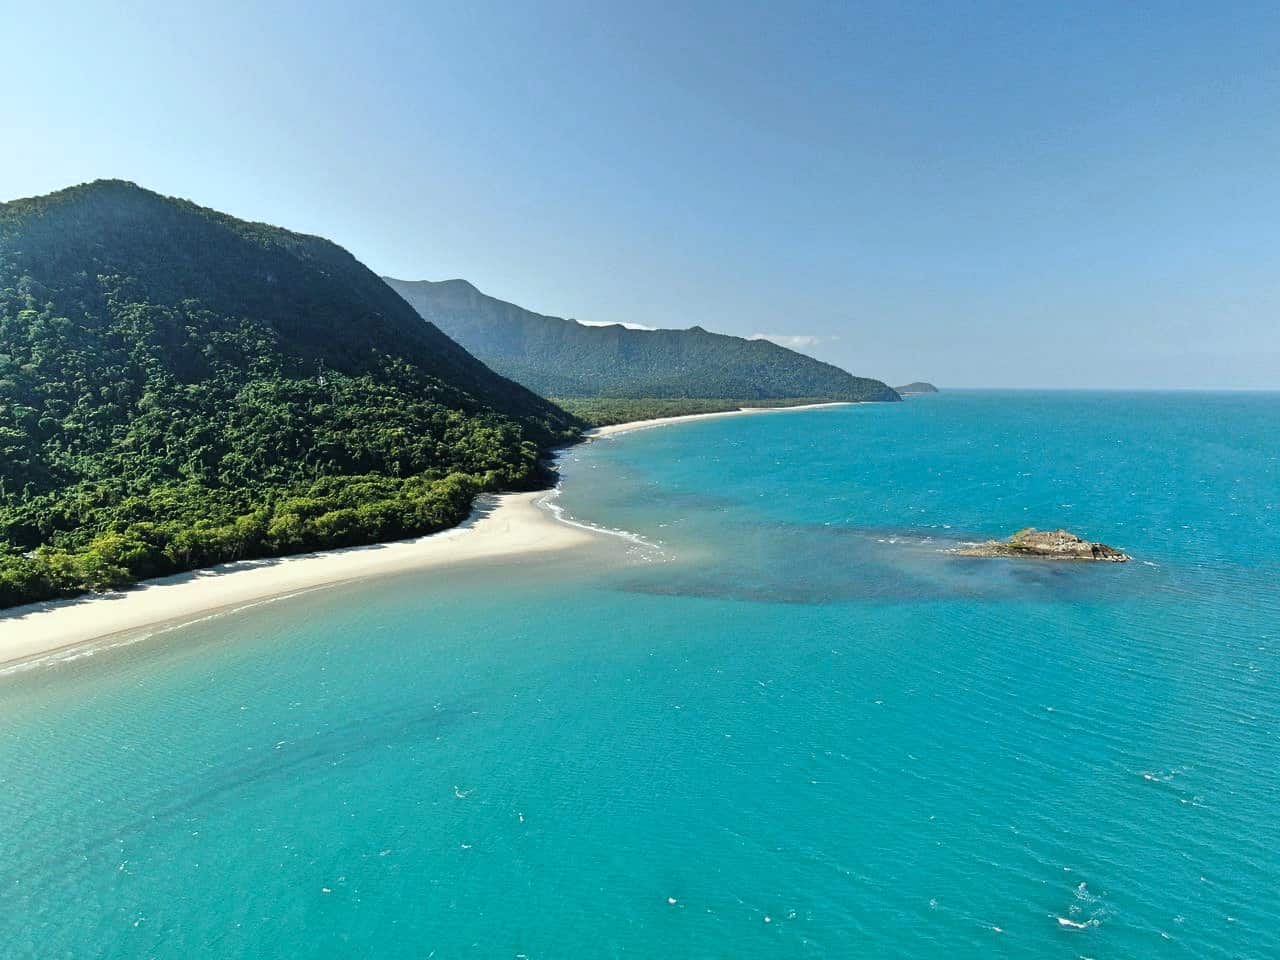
{"points": [[973, 193]]}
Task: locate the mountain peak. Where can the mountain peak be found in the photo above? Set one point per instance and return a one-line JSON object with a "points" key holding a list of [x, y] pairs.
{"points": [[916, 387], [459, 284], [168, 371], [115, 184], [101, 188], [454, 284]]}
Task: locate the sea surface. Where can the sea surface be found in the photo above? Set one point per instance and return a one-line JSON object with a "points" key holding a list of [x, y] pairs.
{"points": [[769, 716]]}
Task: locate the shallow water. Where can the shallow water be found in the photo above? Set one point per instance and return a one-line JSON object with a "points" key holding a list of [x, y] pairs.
{"points": [[786, 724]]}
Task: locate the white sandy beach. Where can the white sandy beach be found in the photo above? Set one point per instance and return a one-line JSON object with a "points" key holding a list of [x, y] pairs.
{"points": [[502, 526], [505, 525], [614, 429]]}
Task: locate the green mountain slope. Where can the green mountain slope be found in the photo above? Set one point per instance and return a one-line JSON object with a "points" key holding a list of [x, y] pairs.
{"points": [[563, 358], [179, 388]]}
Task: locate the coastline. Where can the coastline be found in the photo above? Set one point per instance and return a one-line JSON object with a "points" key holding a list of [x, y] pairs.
{"points": [[500, 526], [615, 429]]}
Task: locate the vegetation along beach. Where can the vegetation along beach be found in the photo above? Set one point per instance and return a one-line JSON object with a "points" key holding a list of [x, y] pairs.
{"points": [[639, 481]]}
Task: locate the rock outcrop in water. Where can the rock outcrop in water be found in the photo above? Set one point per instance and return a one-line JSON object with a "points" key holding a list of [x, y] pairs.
{"points": [[1046, 544]]}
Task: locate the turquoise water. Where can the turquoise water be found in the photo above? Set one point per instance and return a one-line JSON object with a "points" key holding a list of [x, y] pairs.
{"points": [[785, 723]]}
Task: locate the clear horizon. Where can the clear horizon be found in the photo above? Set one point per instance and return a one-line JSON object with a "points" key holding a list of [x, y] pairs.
{"points": [[989, 197]]}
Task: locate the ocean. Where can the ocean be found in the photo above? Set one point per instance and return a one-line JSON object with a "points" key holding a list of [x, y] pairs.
{"points": [[767, 714]]}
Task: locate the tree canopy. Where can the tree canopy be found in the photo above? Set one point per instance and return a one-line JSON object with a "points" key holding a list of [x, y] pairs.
{"points": [[180, 388]]}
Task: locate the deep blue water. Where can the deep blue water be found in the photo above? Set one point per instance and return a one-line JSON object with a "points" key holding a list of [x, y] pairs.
{"points": [[786, 723]]}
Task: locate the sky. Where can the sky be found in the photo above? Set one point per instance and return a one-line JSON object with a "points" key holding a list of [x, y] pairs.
{"points": [[976, 194]]}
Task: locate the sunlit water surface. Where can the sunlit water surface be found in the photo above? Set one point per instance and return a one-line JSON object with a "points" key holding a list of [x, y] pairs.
{"points": [[777, 719]]}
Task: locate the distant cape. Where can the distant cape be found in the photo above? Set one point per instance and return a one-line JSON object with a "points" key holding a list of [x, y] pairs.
{"points": [[564, 358]]}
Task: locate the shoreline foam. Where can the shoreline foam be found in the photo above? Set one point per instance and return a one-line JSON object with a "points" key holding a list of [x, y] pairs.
{"points": [[615, 429], [501, 526]]}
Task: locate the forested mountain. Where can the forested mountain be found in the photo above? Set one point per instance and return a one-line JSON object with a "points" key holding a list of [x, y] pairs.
{"points": [[917, 386], [563, 358], [179, 388]]}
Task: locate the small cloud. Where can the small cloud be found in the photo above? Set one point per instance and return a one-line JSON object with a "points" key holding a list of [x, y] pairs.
{"points": [[609, 323], [794, 341]]}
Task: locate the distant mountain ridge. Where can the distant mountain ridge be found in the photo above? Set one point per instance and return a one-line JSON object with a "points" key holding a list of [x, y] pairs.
{"points": [[918, 386], [563, 358]]}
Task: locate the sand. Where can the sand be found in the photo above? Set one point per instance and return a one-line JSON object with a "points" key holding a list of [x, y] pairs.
{"points": [[619, 428], [502, 526]]}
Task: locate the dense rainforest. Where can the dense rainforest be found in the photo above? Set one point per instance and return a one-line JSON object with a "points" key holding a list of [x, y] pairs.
{"points": [[564, 358], [180, 388]]}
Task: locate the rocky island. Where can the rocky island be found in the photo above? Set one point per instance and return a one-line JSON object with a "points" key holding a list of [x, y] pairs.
{"points": [[1046, 544], [915, 388]]}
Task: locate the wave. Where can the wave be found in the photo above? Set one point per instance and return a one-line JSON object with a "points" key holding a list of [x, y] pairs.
{"points": [[80, 651], [1088, 907], [558, 511], [1064, 922]]}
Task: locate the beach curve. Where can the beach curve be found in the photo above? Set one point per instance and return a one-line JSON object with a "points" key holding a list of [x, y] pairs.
{"points": [[616, 429], [501, 526]]}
